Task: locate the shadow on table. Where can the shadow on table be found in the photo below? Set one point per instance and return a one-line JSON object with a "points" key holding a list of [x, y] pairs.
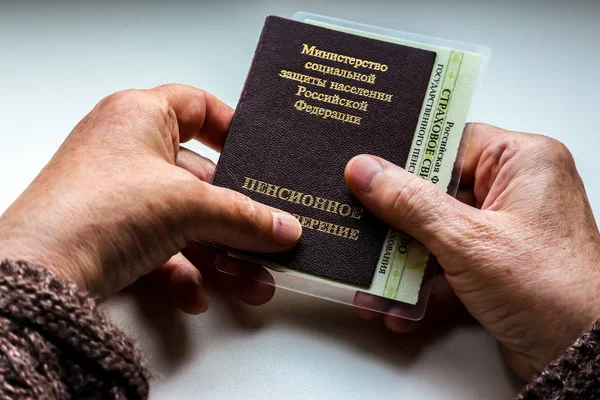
{"points": [[340, 323], [173, 340], [168, 325], [333, 321]]}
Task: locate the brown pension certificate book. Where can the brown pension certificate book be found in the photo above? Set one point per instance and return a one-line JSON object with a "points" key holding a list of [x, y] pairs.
{"points": [[313, 99]]}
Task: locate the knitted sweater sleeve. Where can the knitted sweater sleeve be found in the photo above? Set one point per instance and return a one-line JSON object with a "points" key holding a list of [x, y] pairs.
{"points": [[576, 375], [56, 344]]}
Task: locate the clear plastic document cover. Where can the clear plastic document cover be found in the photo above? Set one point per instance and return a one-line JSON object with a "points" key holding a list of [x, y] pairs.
{"points": [[403, 274]]}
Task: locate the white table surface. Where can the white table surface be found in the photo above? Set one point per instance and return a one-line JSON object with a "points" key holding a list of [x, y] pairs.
{"points": [[57, 59]]}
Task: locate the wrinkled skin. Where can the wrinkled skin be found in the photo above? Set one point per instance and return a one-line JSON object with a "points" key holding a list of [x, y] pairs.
{"points": [[120, 198], [523, 257]]}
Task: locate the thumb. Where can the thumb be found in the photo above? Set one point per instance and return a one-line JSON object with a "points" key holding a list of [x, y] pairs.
{"points": [[230, 218], [409, 203]]}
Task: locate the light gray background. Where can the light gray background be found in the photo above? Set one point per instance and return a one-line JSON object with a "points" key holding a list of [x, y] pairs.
{"points": [[57, 59]]}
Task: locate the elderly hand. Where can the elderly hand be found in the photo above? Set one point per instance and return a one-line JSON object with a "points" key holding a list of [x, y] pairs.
{"points": [[524, 259], [120, 197]]}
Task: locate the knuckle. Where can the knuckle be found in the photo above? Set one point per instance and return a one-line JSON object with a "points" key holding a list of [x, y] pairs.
{"points": [[554, 151], [140, 102], [142, 106], [246, 214], [406, 198], [123, 98], [409, 200], [480, 128]]}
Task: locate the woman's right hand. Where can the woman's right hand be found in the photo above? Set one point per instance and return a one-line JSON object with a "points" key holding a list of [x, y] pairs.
{"points": [[120, 199], [524, 260]]}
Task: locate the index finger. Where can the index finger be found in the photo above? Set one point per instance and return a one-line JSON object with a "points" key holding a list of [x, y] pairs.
{"points": [[200, 115], [481, 136]]}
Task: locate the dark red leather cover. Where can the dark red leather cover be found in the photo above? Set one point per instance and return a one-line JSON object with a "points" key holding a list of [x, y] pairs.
{"points": [[278, 140]]}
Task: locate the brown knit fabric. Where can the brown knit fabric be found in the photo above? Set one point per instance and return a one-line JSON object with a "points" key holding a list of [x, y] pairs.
{"points": [[55, 344], [576, 375]]}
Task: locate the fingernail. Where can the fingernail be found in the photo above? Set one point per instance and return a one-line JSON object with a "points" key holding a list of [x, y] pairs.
{"points": [[363, 171], [286, 228]]}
